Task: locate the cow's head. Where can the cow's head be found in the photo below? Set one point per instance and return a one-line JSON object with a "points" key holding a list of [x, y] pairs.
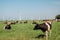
{"points": [[36, 27]]}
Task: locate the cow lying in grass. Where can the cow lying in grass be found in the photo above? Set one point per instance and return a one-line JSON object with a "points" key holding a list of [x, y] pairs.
{"points": [[45, 27], [8, 25]]}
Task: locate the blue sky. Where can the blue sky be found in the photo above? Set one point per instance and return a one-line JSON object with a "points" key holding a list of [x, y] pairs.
{"points": [[29, 9]]}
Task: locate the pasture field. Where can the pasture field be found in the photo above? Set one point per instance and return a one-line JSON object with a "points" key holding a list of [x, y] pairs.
{"points": [[26, 32]]}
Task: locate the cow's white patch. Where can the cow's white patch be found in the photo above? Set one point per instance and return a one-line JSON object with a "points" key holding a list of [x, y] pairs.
{"points": [[49, 22], [48, 26], [46, 33]]}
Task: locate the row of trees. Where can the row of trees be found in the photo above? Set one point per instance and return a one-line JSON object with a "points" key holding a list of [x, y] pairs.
{"points": [[57, 16]]}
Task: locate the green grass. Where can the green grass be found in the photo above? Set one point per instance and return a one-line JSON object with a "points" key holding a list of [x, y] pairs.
{"points": [[26, 32]]}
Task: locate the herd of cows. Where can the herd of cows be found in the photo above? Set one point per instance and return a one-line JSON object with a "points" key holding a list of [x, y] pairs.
{"points": [[45, 27], [9, 23]]}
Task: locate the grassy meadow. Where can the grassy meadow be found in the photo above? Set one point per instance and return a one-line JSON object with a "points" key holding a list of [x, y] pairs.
{"points": [[25, 31]]}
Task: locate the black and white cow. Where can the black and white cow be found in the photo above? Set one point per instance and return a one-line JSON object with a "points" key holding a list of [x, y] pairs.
{"points": [[8, 26], [45, 27]]}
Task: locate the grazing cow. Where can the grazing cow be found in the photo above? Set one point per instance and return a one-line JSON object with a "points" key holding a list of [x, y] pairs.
{"points": [[45, 27], [13, 22], [25, 21], [16, 21], [34, 22], [20, 22]]}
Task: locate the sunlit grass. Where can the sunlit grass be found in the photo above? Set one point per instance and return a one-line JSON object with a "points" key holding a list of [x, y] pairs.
{"points": [[26, 32]]}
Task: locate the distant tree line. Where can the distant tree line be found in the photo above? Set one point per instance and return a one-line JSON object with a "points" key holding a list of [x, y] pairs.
{"points": [[57, 16]]}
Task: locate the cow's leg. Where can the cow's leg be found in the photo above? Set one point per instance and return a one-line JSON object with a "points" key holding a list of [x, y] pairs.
{"points": [[50, 33], [46, 34]]}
